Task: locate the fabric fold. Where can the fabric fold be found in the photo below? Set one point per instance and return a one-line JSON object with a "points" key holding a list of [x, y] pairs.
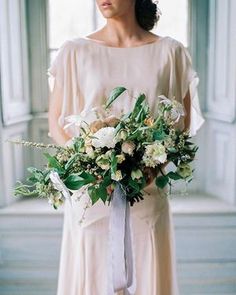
{"points": [[63, 83], [184, 78]]}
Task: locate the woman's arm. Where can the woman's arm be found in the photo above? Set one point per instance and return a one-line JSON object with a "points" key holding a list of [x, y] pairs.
{"points": [[55, 104]]}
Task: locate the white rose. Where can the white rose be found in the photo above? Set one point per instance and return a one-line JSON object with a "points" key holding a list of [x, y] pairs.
{"points": [[104, 137]]}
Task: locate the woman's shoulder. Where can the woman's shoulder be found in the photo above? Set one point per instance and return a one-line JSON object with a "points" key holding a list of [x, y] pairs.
{"points": [[174, 43], [70, 45]]}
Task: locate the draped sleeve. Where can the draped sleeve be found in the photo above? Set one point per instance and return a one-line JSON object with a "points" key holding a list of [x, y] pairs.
{"points": [[63, 82], [184, 78]]}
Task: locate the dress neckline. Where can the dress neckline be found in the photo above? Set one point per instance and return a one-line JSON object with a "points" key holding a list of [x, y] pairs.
{"points": [[124, 48]]}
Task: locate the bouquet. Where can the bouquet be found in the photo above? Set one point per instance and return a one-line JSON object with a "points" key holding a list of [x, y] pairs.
{"points": [[111, 150]]}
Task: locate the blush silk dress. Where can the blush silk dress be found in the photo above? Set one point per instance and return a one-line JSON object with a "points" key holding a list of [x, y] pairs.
{"points": [[83, 73]]}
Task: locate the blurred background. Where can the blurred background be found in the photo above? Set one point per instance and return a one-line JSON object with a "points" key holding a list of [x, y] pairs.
{"points": [[31, 31]]}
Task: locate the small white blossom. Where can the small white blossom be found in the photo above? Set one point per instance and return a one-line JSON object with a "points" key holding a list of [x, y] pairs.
{"points": [[55, 200], [103, 162], [117, 176], [136, 174], [128, 147], [59, 185], [184, 170], [120, 158], [177, 109]]}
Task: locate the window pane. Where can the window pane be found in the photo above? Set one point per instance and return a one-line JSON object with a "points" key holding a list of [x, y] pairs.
{"points": [[69, 19], [174, 20]]}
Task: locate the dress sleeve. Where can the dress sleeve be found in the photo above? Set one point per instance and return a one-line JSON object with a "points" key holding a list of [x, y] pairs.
{"points": [[63, 83], [186, 78]]}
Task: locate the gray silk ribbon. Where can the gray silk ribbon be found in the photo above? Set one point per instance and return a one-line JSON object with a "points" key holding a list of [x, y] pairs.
{"points": [[121, 261]]}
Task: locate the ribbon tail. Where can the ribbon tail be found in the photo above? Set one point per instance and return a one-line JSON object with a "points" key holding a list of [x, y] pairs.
{"points": [[121, 266], [130, 255]]}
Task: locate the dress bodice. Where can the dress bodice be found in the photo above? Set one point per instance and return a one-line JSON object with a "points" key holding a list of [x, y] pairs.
{"points": [[86, 72]]}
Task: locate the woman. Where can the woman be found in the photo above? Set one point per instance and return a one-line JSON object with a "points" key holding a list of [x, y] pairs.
{"points": [[122, 53]]}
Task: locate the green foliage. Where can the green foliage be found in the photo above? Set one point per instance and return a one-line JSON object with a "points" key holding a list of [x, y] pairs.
{"points": [[174, 175], [53, 163], [76, 181], [116, 92], [97, 192], [161, 181]]}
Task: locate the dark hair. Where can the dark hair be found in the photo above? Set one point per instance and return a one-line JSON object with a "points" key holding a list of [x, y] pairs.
{"points": [[146, 14]]}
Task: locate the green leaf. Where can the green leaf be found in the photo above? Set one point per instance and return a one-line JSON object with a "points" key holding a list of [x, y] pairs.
{"points": [[113, 163], [114, 94], [53, 162], [138, 105], [172, 150], [71, 161], [32, 179], [76, 180], [78, 144], [102, 192], [94, 196], [174, 175], [159, 135], [134, 185], [161, 181], [87, 177]]}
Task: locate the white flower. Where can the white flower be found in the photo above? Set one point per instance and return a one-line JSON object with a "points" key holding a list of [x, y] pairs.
{"points": [[165, 100], [105, 137], [177, 109], [154, 154], [103, 162], [184, 170], [128, 147], [55, 200], [59, 185], [136, 174], [85, 117], [117, 176]]}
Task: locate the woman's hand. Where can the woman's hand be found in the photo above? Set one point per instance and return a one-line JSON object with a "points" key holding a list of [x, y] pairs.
{"points": [[151, 173]]}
